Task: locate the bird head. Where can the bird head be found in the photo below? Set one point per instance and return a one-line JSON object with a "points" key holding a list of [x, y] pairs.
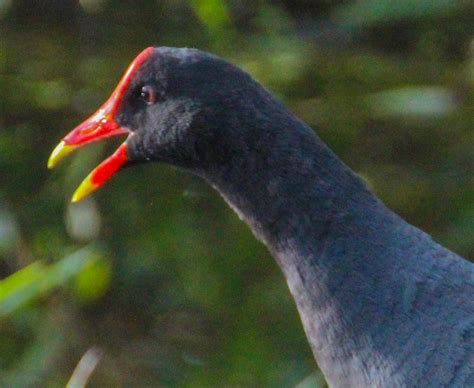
{"points": [[174, 105]]}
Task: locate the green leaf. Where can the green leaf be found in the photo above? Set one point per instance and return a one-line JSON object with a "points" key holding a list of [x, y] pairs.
{"points": [[93, 280], [35, 280], [213, 13]]}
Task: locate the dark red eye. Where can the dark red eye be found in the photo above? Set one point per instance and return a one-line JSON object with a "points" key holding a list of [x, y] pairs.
{"points": [[148, 94]]}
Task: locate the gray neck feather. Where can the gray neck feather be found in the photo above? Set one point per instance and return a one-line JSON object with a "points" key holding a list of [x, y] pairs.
{"points": [[353, 267]]}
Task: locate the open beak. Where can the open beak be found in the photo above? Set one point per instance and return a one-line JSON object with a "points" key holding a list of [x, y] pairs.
{"points": [[100, 125]]}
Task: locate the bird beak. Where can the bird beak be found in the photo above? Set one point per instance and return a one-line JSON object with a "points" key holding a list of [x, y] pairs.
{"points": [[102, 124]]}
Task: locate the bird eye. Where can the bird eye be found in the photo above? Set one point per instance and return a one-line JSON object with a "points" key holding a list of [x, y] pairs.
{"points": [[148, 94]]}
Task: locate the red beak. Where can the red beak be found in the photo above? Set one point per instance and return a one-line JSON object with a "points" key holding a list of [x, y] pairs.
{"points": [[100, 125]]}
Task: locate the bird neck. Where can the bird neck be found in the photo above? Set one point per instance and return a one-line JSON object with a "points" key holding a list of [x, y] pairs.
{"points": [[327, 232], [291, 189]]}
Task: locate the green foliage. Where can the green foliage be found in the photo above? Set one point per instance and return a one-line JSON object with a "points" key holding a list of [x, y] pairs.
{"points": [[372, 12], [181, 292], [37, 279], [413, 101], [213, 13], [93, 281]]}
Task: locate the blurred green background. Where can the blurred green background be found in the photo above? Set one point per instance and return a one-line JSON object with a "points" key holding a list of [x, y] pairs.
{"points": [[153, 280]]}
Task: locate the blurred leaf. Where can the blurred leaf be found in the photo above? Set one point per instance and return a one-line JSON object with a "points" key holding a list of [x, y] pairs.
{"points": [[369, 12], [213, 13], [36, 279], [94, 279], [20, 287], [83, 220], [413, 101]]}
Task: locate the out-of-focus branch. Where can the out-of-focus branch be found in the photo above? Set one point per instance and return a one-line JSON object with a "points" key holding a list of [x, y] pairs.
{"points": [[85, 368]]}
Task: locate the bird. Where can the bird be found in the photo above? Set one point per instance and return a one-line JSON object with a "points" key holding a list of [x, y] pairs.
{"points": [[382, 304]]}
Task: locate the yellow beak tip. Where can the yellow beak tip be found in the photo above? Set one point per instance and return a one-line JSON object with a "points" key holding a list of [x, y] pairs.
{"points": [[75, 198], [84, 189], [61, 151], [51, 162]]}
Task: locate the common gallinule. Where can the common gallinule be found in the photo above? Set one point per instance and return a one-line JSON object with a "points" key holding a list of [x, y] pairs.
{"points": [[382, 304]]}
